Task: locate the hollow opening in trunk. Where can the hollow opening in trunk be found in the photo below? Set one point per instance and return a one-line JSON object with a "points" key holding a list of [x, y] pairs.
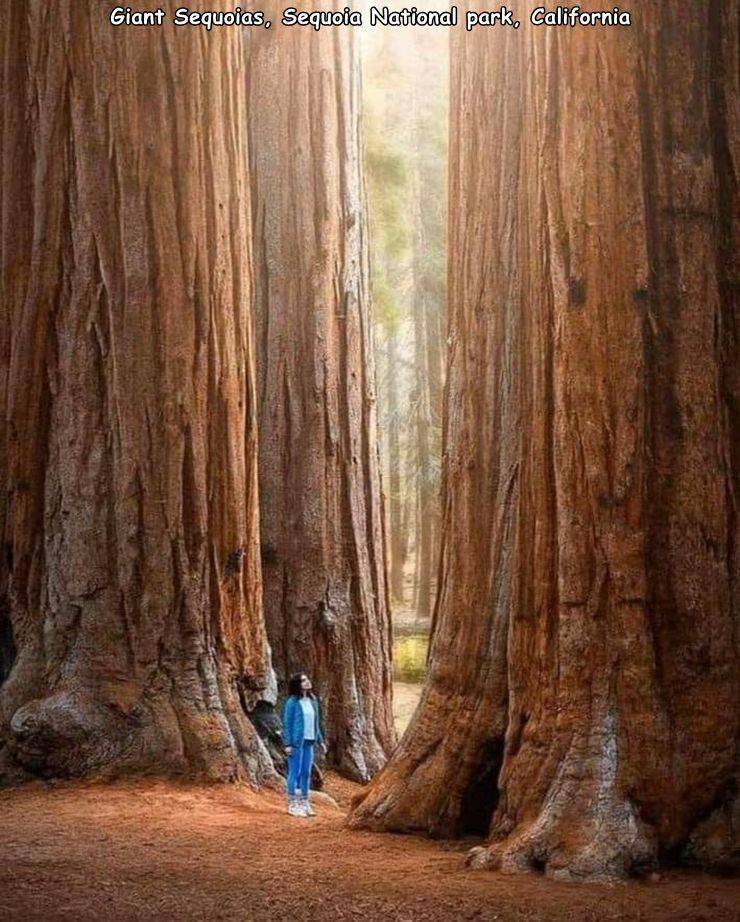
{"points": [[7, 648], [481, 796]]}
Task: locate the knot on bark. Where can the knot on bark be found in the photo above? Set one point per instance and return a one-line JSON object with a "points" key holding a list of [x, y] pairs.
{"points": [[234, 562], [69, 734]]}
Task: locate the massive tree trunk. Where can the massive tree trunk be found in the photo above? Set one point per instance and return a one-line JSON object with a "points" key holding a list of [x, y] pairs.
{"points": [[129, 578], [326, 604], [583, 680]]}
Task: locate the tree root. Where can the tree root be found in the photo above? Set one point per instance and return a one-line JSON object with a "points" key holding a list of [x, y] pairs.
{"points": [[611, 845]]}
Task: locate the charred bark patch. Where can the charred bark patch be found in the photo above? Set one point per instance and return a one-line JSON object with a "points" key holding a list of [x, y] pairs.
{"points": [[8, 651], [577, 292], [234, 562], [269, 555], [268, 726]]}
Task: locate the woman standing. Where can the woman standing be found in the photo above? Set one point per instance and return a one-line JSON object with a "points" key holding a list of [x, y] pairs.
{"points": [[301, 732]]}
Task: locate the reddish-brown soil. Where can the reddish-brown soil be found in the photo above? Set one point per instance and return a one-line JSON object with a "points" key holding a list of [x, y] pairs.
{"points": [[158, 850]]}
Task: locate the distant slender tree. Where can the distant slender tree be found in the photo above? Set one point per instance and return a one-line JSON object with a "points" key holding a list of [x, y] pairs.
{"points": [[385, 168], [428, 129], [406, 154], [326, 603], [397, 557], [422, 419], [583, 677], [130, 616]]}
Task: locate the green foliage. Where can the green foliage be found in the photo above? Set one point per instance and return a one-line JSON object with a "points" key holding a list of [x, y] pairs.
{"points": [[387, 171], [386, 166]]}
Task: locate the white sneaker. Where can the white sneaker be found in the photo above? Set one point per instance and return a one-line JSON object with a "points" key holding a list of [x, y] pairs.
{"points": [[295, 809], [307, 808]]}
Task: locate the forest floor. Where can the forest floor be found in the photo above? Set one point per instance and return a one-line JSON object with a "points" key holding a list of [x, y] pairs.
{"points": [[405, 698], [407, 625], [151, 849]]}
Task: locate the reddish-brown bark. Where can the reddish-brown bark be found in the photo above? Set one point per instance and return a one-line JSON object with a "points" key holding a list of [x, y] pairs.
{"points": [[326, 605], [129, 578], [583, 680]]}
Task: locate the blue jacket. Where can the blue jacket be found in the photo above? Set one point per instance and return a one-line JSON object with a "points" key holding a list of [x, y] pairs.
{"points": [[293, 722]]}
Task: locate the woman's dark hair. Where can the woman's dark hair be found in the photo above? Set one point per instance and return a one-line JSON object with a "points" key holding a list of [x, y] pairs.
{"points": [[294, 685]]}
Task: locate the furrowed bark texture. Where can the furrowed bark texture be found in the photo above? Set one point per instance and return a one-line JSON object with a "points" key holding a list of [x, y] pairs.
{"points": [[129, 578], [584, 658], [326, 605]]}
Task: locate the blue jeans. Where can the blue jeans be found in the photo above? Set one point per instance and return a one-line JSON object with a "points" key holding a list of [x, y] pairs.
{"points": [[300, 762]]}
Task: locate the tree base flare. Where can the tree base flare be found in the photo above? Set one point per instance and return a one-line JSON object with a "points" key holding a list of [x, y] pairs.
{"points": [[612, 852], [75, 733], [609, 847]]}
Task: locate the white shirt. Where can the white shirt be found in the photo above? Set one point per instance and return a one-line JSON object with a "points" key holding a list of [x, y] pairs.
{"points": [[309, 719]]}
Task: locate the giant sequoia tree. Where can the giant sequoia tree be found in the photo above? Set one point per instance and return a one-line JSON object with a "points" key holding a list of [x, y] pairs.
{"points": [[326, 605], [130, 614], [583, 685]]}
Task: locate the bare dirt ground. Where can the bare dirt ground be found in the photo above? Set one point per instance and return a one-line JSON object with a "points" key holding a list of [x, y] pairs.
{"points": [[160, 850], [405, 698]]}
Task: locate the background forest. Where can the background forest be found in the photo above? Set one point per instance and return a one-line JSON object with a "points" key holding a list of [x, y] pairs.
{"points": [[405, 121]]}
